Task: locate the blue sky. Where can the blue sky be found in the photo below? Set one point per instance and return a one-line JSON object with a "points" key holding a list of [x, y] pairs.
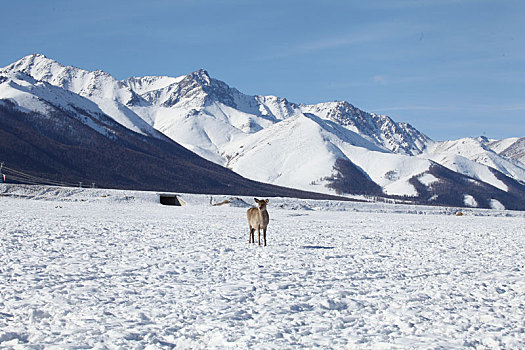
{"points": [[451, 68]]}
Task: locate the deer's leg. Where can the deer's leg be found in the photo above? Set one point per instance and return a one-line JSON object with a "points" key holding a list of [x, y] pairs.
{"points": [[264, 233], [252, 235], [259, 231]]}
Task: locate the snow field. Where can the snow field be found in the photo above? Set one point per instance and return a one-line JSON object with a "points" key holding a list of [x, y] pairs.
{"points": [[141, 275]]}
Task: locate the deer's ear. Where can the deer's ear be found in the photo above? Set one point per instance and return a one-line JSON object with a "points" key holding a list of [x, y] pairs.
{"points": [[256, 200], [267, 201]]}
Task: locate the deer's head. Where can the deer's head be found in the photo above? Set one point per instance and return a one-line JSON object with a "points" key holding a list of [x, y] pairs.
{"points": [[262, 203]]}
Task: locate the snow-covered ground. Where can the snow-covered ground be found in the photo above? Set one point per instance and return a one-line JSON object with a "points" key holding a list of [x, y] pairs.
{"points": [[113, 269]]}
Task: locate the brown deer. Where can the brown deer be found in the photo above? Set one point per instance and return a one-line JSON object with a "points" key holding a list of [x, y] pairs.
{"points": [[258, 218]]}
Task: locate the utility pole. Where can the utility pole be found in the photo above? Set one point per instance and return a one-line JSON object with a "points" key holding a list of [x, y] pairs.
{"points": [[92, 185], [80, 184]]}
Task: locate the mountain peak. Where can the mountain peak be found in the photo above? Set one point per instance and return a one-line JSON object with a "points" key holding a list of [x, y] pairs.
{"points": [[201, 76], [201, 71], [482, 139], [343, 104], [30, 61], [35, 56]]}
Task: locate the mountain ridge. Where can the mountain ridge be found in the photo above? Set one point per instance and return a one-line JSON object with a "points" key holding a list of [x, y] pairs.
{"points": [[270, 139], [62, 146]]}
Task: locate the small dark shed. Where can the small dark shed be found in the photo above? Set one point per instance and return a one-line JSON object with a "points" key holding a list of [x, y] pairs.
{"points": [[169, 199]]}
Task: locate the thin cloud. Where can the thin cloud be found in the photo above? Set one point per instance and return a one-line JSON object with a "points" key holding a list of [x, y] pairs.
{"points": [[380, 79], [462, 108], [322, 45], [330, 43], [371, 34], [400, 4], [413, 108]]}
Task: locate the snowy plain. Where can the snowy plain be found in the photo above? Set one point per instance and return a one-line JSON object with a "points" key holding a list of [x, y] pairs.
{"points": [[116, 269]]}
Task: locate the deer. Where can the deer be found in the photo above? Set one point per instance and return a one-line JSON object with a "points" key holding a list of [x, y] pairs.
{"points": [[258, 219]]}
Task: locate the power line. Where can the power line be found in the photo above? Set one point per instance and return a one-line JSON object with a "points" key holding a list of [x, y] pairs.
{"points": [[19, 176], [28, 177]]}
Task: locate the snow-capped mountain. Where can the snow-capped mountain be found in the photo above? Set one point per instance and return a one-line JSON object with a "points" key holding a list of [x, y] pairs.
{"points": [[330, 147], [31, 95], [210, 103], [471, 157], [111, 96], [513, 147], [397, 137], [52, 135]]}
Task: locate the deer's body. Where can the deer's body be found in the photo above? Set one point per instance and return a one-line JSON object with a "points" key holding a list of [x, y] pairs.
{"points": [[258, 219]]}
